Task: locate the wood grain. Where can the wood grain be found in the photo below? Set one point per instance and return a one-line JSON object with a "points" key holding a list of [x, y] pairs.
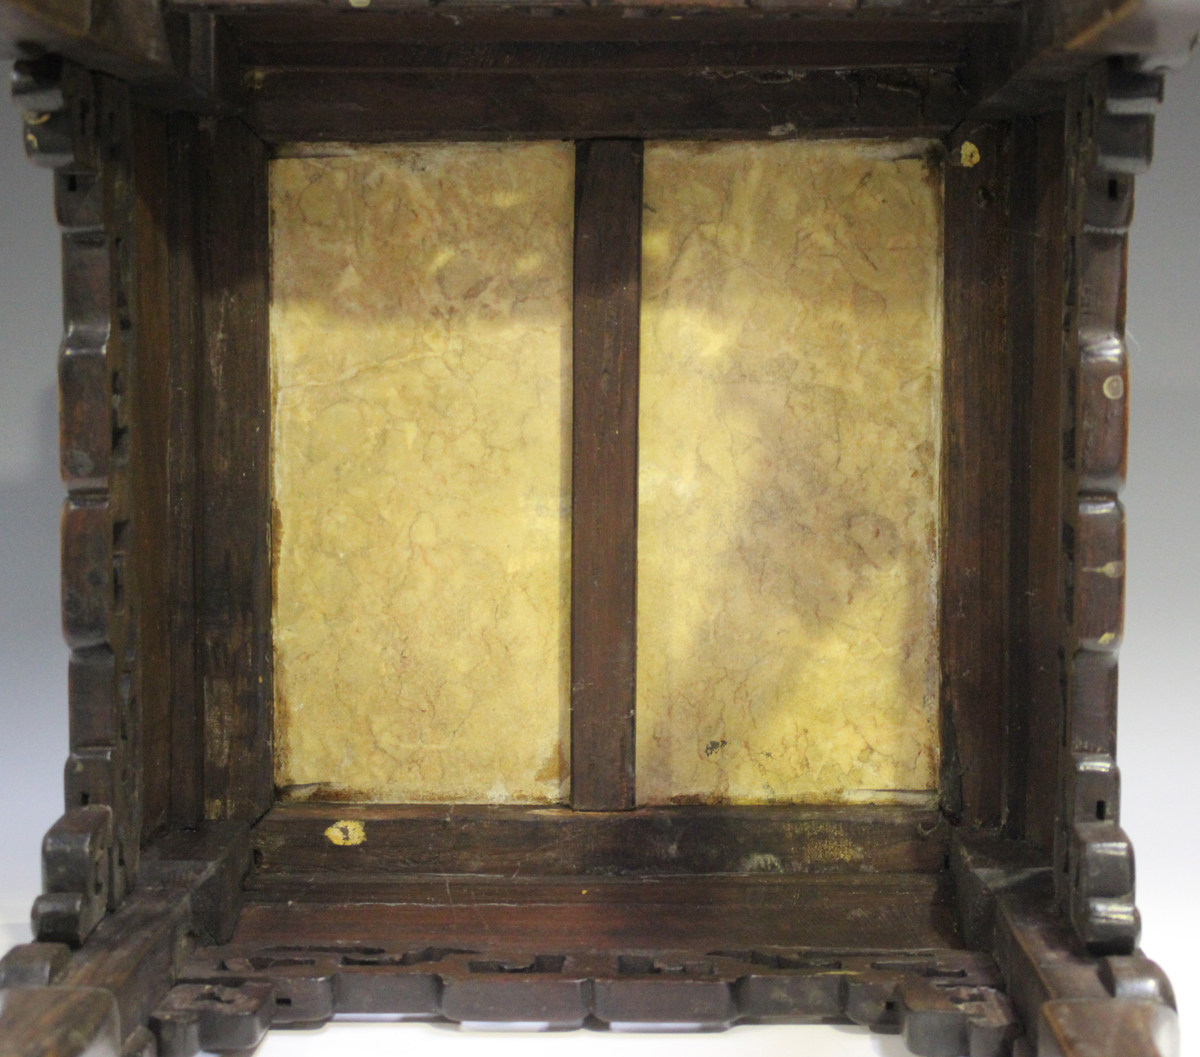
{"points": [[894, 913], [1036, 585], [382, 106], [976, 501], [182, 485], [232, 450], [149, 455], [466, 839], [607, 277]]}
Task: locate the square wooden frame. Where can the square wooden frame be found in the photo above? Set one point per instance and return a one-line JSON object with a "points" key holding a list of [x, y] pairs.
{"points": [[1007, 910]]}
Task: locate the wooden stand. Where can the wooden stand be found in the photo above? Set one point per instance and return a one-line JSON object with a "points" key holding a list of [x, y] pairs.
{"points": [[185, 908]]}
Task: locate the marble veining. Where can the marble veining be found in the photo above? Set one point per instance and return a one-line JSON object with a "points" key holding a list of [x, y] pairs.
{"points": [[789, 443], [420, 348]]}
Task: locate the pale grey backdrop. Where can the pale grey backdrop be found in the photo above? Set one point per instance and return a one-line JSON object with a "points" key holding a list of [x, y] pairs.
{"points": [[1160, 662]]}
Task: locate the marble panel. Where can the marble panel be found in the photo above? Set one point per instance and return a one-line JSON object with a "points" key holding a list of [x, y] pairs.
{"points": [[420, 347], [788, 481]]}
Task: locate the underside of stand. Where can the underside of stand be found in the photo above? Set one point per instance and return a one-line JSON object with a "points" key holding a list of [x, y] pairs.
{"points": [[196, 893]]}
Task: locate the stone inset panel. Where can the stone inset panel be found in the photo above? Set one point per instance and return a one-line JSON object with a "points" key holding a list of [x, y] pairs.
{"points": [[420, 346], [789, 444]]}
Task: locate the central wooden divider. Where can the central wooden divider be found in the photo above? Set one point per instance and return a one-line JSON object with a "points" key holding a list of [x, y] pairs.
{"points": [[604, 476]]}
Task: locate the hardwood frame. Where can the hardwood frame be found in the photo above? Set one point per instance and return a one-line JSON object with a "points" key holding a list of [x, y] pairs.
{"points": [[160, 132]]}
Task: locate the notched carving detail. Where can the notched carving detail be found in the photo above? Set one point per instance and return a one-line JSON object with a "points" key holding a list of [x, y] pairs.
{"points": [[74, 876], [945, 1002], [1095, 858], [212, 1017]]}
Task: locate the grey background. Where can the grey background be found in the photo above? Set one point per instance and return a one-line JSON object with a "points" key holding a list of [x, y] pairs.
{"points": [[1160, 661]]}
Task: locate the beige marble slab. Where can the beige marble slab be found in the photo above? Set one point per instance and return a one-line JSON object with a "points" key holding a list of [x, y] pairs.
{"points": [[420, 344], [791, 351]]}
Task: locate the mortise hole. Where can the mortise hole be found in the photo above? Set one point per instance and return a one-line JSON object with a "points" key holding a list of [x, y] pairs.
{"points": [[542, 963], [118, 583], [1101, 810], [121, 536], [258, 857], [1114, 189], [83, 799], [120, 441], [72, 183], [282, 1000]]}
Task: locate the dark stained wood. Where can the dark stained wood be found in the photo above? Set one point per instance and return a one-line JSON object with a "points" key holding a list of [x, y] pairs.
{"points": [[126, 39], [233, 549], [1036, 694], [507, 841], [1073, 1028], [380, 106], [1045, 660], [932, 12], [182, 486], [1040, 960], [888, 913], [1094, 706], [210, 862], [64, 1021], [34, 964], [695, 986], [1104, 416], [1023, 352], [1100, 574], [976, 464], [273, 27], [165, 423], [1102, 263], [1037, 957], [386, 50], [99, 587], [116, 768], [85, 429], [607, 306], [75, 875], [149, 429], [92, 693], [1095, 857], [86, 571], [217, 1019], [133, 952]]}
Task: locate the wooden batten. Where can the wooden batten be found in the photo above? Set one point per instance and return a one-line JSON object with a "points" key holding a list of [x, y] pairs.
{"points": [[608, 234], [977, 409], [233, 515], [304, 839]]}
